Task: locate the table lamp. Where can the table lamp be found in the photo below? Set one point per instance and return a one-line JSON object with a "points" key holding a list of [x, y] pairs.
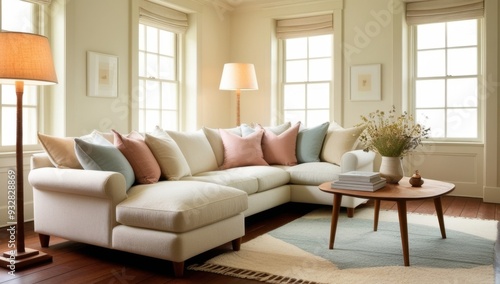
{"points": [[24, 59], [237, 77]]}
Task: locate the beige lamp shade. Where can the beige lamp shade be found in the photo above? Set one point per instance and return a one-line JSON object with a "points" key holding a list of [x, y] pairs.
{"points": [[238, 76], [26, 57]]}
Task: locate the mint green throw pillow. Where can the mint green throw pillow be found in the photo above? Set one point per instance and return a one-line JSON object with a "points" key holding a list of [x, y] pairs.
{"points": [[100, 155], [310, 142]]}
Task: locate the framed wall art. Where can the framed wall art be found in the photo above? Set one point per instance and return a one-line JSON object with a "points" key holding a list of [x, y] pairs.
{"points": [[366, 82], [102, 75]]}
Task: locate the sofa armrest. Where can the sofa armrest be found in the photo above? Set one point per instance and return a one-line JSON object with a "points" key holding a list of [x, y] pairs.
{"points": [[100, 184], [357, 160]]}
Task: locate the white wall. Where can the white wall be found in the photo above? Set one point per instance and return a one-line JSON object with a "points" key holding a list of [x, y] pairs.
{"points": [[374, 32]]}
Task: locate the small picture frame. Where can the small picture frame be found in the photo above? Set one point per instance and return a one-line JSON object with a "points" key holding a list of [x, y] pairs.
{"points": [[102, 75], [366, 82]]}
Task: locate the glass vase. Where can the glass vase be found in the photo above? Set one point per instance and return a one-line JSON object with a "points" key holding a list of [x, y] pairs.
{"points": [[391, 168]]}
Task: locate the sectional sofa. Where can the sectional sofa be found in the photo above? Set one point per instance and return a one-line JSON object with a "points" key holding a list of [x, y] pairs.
{"points": [[173, 195]]}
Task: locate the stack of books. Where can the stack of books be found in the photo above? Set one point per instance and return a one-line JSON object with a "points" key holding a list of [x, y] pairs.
{"points": [[359, 180]]}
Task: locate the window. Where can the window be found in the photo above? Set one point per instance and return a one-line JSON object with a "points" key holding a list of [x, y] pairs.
{"points": [[446, 78], [161, 31], [158, 79], [307, 79], [18, 16]]}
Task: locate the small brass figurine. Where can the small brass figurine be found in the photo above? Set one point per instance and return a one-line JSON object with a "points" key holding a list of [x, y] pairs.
{"points": [[416, 179]]}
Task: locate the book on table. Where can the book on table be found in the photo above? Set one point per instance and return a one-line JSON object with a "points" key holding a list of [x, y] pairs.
{"points": [[365, 181]]}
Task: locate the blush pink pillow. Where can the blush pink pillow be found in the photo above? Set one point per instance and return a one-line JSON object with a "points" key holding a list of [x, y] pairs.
{"points": [[280, 149], [140, 157], [242, 151]]}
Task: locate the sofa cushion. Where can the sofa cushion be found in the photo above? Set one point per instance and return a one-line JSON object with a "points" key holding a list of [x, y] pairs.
{"points": [[213, 136], [310, 143], [196, 149], [267, 177], [339, 140], [241, 181], [250, 179], [179, 206], [94, 152], [169, 156], [138, 154], [280, 149], [242, 151], [61, 151], [314, 173]]}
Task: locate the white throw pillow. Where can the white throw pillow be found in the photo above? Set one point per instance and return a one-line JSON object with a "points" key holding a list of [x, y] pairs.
{"points": [[172, 163], [196, 149]]}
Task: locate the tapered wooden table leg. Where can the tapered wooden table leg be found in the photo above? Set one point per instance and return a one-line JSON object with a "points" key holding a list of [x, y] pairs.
{"points": [[403, 228], [439, 213], [375, 214], [337, 199]]}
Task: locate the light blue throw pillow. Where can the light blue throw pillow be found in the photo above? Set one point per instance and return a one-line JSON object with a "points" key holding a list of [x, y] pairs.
{"points": [[310, 142], [96, 153]]}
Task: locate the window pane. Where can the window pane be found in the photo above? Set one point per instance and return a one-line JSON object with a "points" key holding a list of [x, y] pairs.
{"points": [[320, 46], [167, 68], [462, 61], [462, 92], [433, 118], [152, 99], [30, 96], [151, 39], [320, 69], [294, 96], [462, 123], [316, 117], [30, 126], [296, 71], [141, 98], [167, 43], [9, 95], [18, 16], [431, 63], [318, 96], [152, 65], [462, 33], [295, 116], [430, 93], [8, 126], [296, 48], [152, 118], [430, 36], [169, 96], [142, 37], [142, 64], [169, 120]]}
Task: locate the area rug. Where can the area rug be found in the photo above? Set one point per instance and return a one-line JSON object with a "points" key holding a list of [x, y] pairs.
{"points": [[298, 251]]}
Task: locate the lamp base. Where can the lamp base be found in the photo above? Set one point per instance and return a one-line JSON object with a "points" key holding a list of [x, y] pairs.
{"points": [[13, 260]]}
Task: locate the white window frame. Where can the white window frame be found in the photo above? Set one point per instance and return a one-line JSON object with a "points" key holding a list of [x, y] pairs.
{"points": [[480, 103], [283, 83], [177, 81]]}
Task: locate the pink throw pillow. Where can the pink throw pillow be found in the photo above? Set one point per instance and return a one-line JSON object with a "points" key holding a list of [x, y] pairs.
{"points": [[280, 149], [140, 157], [242, 151]]}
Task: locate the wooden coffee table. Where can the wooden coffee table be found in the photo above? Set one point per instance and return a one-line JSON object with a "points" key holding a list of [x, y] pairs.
{"points": [[400, 193]]}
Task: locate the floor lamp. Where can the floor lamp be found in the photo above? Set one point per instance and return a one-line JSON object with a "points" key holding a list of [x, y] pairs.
{"points": [[24, 59], [237, 77]]}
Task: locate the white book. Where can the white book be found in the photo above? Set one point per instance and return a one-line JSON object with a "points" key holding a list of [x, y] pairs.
{"points": [[361, 176], [363, 186]]}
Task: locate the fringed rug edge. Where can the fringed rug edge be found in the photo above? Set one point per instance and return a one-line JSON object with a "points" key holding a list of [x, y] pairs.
{"points": [[248, 274]]}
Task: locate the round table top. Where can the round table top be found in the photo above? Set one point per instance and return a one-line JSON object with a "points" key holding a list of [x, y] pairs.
{"points": [[403, 190]]}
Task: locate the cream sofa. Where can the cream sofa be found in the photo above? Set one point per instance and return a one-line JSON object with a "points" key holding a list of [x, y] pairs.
{"points": [[195, 205]]}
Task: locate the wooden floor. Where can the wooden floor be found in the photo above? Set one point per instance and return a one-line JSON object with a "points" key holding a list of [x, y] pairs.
{"points": [[80, 263]]}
